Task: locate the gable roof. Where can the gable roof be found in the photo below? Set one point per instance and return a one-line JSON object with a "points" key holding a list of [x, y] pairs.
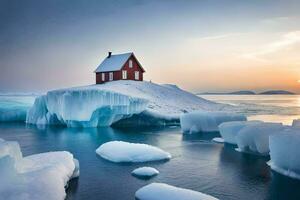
{"points": [[113, 63]]}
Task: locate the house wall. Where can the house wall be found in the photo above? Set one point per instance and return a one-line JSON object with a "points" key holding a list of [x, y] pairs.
{"points": [[118, 74]]}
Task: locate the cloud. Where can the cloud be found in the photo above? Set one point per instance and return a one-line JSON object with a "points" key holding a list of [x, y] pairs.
{"points": [[286, 40], [217, 37]]}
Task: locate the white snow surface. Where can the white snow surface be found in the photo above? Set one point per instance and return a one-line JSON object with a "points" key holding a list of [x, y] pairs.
{"points": [[230, 130], [254, 138], [203, 121], [145, 172], [35, 177], [119, 151], [159, 191], [285, 154], [113, 63], [105, 104]]}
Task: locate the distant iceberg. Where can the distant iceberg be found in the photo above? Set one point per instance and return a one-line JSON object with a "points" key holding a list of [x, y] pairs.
{"points": [[14, 107], [35, 177], [123, 103], [159, 191], [119, 151]]}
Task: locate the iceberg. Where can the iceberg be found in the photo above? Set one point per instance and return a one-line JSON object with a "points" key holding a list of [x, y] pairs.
{"points": [[118, 102], [230, 130], [118, 151], [254, 138], [296, 123], [285, 154], [145, 172], [201, 121], [39, 176], [159, 191], [14, 108]]}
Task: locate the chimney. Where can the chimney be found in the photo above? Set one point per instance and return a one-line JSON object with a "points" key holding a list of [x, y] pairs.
{"points": [[109, 54]]}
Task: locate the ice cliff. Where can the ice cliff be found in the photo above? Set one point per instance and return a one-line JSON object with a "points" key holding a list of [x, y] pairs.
{"points": [[122, 103]]}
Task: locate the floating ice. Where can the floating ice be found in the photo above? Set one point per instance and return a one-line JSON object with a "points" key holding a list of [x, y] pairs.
{"points": [[200, 121], [14, 108], [218, 140], [255, 137], [39, 176], [118, 151], [159, 191], [145, 172], [116, 101], [230, 130], [285, 154]]}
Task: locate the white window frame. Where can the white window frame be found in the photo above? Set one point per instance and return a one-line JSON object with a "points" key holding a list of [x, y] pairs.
{"points": [[136, 75], [111, 76], [103, 76], [124, 74], [130, 64]]}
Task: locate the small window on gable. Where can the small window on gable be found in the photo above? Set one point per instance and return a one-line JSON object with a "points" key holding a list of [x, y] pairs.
{"points": [[111, 76], [130, 64], [103, 76], [124, 74]]}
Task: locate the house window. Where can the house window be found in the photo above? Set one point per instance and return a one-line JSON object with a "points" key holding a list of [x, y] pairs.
{"points": [[130, 64], [103, 76], [136, 75], [111, 76], [124, 74]]}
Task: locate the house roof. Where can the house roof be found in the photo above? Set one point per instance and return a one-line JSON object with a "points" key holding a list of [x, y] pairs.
{"points": [[113, 63]]}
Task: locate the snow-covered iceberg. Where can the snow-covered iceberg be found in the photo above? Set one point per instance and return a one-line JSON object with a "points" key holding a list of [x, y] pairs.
{"points": [[118, 151], [122, 102], [39, 176], [145, 172], [159, 191], [202, 121], [230, 130], [285, 154], [255, 137]]}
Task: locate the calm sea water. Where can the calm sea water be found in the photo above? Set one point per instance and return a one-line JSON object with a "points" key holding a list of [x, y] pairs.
{"points": [[271, 108], [197, 163]]}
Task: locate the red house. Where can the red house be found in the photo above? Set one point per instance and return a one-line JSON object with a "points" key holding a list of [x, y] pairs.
{"points": [[119, 67]]}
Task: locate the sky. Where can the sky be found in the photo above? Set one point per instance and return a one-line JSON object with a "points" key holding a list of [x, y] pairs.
{"points": [[201, 46]]}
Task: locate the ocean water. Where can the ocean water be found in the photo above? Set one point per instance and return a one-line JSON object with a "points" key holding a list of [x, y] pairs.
{"points": [[271, 108], [197, 162]]}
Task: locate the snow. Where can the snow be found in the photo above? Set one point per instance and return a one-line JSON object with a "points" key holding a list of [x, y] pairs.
{"points": [[159, 191], [116, 101], [202, 121], [218, 140], [113, 63], [255, 137], [145, 172], [119, 151], [285, 154], [230, 130], [39, 176]]}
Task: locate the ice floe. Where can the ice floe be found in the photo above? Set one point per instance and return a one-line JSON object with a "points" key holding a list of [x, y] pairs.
{"points": [[285, 154], [159, 191], [201, 121], [35, 177], [119, 151], [145, 172]]}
